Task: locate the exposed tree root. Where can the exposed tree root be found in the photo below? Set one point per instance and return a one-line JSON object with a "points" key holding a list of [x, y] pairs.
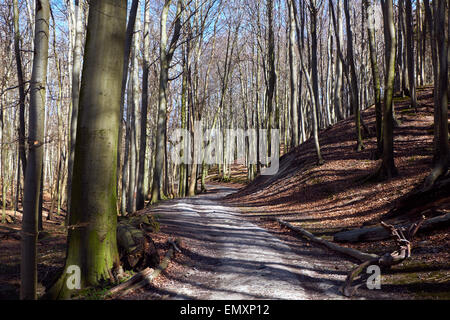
{"points": [[146, 276]]}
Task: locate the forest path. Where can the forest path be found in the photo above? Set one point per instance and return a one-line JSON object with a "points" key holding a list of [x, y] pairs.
{"points": [[233, 258]]}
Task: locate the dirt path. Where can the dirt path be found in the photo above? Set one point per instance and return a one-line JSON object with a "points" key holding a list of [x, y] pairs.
{"points": [[233, 258]]}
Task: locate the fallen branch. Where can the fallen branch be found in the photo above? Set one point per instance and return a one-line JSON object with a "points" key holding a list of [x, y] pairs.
{"points": [[403, 237], [146, 276], [360, 256]]}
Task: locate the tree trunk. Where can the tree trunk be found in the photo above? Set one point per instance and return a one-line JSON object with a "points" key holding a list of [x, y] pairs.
{"points": [[293, 69], [354, 80], [140, 196], [388, 169], [76, 68], [134, 125], [22, 153], [315, 81], [166, 53], [375, 76], [92, 243], [441, 163], [28, 267], [410, 53]]}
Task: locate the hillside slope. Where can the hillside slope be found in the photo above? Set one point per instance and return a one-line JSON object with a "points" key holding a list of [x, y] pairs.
{"points": [[330, 198]]}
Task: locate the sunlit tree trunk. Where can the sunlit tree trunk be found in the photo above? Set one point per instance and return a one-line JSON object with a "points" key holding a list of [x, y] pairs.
{"points": [[410, 53], [353, 79], [76, 68], [141, 188], [388, 169], [293, 70], [375, 76], [33, 176], [21, 87], [92, 244], [166, 54]]}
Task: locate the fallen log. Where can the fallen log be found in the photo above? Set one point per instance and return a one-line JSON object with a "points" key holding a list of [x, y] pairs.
{"points": [[358, 255], [133, 280], [381, 233], [146, 276]]}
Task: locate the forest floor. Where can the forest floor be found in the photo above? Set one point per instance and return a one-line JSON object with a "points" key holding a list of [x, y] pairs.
{"points": [[229, 245]]}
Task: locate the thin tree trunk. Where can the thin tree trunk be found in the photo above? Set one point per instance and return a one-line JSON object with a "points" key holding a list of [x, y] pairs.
{"points": [[293, 69], [140, 196], [388, 169], [375, 76], [441, 164], [76, 68], [354, 80], [126, 63], [166, 54], [28, 270], [410, 53], [21, 87]]}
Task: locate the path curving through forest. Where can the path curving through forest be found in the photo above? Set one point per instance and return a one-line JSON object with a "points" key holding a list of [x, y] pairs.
{"points": [[234, 259]]}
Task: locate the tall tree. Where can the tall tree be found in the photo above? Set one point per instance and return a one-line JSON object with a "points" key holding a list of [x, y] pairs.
{"points": [[141, 188], [76, 69], [375, 75], [126, 64], [388, 169], [354, 92], [339, 63], [272, 77], [166, 54], [293, 70], [134, 117], [33, 176], [441, 161], [314, 10], [21, 87], [92, 244], [410, 53]]}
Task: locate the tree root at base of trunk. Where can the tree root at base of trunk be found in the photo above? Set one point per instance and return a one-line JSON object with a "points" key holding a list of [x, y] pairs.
{"points": [[146, 276]]}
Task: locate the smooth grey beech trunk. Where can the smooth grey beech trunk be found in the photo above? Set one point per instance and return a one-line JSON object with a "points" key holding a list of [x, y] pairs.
{"points": [[134, 126], [76, 69], [92, 243], [375, 75], [166, 54], [22, 152], [33, 176], [293, 69], [126, 63], [354, 92], [141, 186]]}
